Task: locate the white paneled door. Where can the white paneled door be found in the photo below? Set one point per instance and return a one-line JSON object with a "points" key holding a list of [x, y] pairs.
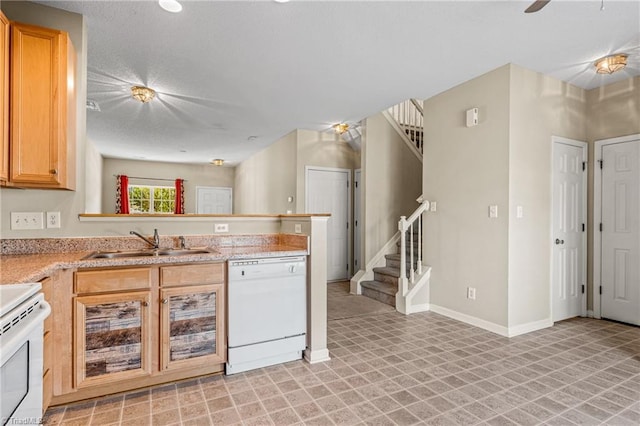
{"points": [[357, 225], [569, 222], [327, 191], [213, 200], [620, 267]]}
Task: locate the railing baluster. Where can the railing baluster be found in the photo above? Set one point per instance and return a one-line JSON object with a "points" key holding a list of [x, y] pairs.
{"points": [[420, 245], [413, 277], [403, 256]]}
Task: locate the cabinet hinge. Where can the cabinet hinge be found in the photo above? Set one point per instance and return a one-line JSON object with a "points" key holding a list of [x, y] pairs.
{"points": [[356, 184], [600, 226], [582, 288], [583, 227], [584, 166], [601, 163], [600, 290]]}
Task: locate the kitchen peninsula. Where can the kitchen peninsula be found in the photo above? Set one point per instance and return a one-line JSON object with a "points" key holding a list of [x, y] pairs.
{"points": [[74, 284]]}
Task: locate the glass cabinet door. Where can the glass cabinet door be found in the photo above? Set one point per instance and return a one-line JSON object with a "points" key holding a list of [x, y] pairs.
{"points": [[192, 325]]}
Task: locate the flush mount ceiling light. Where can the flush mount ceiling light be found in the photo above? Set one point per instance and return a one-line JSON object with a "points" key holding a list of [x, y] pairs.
{"points": [[217, 162], [340, 128], [610, 64], [170, 5], [143, 94]]}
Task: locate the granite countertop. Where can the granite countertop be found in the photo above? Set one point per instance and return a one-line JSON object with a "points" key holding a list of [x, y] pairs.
{"points": [[21, 268]]}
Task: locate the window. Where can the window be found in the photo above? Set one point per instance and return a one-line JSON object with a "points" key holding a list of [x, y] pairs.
{"points": [[151, 199]]}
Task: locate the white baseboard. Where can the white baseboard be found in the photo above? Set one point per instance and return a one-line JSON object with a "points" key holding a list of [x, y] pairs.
{"points": [[420, 308], [490, 326], [313, 357], [486, 325], [529, 327]]}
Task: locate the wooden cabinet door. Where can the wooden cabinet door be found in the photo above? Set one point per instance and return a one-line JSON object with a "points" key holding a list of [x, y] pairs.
{"points": [[38, 108], [4, 98], [112, 337], [192, 326]]}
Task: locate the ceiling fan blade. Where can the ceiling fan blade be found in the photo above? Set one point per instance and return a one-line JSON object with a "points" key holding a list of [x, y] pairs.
{"points": [[536, 6]]}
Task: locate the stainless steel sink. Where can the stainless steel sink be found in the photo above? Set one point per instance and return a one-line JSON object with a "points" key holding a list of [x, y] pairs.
{"points": [[149, 252]]}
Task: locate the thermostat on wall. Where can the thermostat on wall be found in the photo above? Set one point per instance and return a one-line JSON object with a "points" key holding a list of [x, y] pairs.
{"points": [[472, 117]]}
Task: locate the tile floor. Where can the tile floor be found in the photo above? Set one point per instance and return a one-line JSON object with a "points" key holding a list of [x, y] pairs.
{"points": [[391, 369]]}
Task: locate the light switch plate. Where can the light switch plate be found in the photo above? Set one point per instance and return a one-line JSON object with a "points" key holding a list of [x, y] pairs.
{"points": [[519, 212], [493, 211], [433, 206], [26, 220]]}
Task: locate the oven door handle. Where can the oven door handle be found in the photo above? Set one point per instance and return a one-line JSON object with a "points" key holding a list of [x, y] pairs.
{"points": [[13, 341]]}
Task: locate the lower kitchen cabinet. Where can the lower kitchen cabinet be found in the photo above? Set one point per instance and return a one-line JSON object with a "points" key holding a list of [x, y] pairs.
{"points": [[131, 327], [192, 324], [112, 333]]}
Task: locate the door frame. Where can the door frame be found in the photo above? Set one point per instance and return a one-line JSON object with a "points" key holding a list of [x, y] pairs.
{"points": [[357, 239], [199, 187], [307, 169], [585, 157], [597, 216]]}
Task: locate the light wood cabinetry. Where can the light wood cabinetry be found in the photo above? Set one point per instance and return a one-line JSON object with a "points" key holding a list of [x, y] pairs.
{"points": [[4, 97], [112, 337], [41, 110], [122, 336], [192, 318], [47, 362]]}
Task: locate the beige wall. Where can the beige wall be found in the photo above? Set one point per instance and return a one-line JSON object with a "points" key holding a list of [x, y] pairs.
{"points": [[320, 149], [93, 179], [264, 181], [193, 174], [68, 203], [465, 171], [391, 178], [540, 107]]}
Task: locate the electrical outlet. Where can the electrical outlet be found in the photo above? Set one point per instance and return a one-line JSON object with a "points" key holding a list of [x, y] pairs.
{"points": [[53, 219], [471, 293], [519, 212], [221, 227], [433, 206], [493, 211], [297, 228], [26, 220]]}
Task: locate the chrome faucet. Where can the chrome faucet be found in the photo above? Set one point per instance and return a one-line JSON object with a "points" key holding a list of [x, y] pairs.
{"points": [[155, 242], [182, 243]]}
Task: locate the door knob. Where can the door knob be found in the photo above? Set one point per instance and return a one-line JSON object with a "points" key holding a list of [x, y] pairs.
{"points": [[559, 241]]}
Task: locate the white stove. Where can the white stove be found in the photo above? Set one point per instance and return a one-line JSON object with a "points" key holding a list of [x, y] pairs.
{"points": [[22, 314]]}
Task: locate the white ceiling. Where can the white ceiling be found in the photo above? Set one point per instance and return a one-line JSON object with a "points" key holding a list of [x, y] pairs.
{"points": [[226, 71]]}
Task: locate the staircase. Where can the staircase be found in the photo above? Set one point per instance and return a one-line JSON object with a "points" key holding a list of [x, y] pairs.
{"points": [[403, 281], [408, 119], [384, 285]]}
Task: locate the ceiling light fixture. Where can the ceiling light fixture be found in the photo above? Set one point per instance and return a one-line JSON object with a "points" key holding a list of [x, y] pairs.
{"points": [[170, 6], [217, 162], [610, 64], [340, 128], [143, 94]]}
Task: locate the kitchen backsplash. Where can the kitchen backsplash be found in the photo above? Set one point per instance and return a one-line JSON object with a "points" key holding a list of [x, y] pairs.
{"points": [[58, 245]]}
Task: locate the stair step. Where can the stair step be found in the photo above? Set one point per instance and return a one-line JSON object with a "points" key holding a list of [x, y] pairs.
{"points": [[385, 270], [393, 261], [382, 292]]}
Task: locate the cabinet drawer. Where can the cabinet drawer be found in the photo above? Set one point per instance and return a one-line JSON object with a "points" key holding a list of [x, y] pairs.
{"points": [[112, 280], [201, 273]]}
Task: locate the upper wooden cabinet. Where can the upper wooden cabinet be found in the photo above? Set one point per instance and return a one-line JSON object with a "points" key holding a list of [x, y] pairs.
{"points": [[4, 97], [41, 108]]}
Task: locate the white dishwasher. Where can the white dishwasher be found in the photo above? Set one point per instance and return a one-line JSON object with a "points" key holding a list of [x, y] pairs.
{"points": [[267, 312]]}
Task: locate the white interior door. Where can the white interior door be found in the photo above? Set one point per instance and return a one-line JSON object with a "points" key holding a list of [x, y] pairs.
{"points": [[213, 200], [620, 264], [357, 225], [569, 225], [327, 191]]}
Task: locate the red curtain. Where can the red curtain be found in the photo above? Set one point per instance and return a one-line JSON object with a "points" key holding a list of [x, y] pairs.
{"points": [[122, 195], [179, 205]]}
